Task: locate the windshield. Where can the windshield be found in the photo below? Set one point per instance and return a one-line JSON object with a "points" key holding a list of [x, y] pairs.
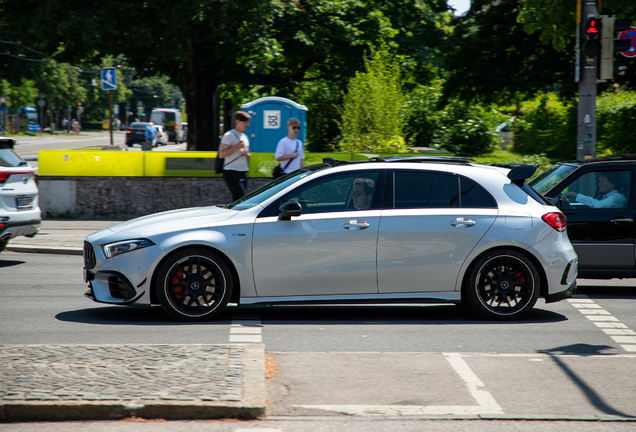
{"points": [[272, 188], [550, 177]]}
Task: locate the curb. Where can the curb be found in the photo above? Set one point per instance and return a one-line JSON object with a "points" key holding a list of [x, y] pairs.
{"points": [[250, 406]]}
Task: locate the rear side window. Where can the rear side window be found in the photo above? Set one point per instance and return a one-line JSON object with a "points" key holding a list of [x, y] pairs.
{"points": [[474, 196], [10, 159]]}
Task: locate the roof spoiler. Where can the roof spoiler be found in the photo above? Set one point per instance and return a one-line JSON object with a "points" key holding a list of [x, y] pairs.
{"points": [[519, 173]]}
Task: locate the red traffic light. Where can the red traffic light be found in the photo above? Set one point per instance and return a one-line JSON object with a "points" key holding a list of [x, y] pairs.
{"points": [[593, 27]]}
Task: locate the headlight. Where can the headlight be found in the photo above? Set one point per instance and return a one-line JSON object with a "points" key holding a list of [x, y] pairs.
{"points": [[121, 247]]}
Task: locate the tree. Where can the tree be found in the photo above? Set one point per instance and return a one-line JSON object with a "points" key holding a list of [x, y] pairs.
{"points": [[201, 45], [491, 57], [373, 104]]}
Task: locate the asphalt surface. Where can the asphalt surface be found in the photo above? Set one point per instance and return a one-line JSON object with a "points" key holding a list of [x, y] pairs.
{"points": [[101, 382]]}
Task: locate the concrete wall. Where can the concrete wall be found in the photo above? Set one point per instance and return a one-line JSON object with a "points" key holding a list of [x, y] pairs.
{"points": [[118, 198]]}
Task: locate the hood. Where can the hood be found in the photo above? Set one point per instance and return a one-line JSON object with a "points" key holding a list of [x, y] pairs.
{"points": [[168, 220]]}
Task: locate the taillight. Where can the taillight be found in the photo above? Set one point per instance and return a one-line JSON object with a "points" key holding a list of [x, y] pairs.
{"points": [[176, 126], [128, 131], [556, 221], [4, 176]]}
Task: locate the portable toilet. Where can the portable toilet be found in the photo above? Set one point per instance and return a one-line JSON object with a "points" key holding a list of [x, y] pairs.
{"points": [[269, 122]]}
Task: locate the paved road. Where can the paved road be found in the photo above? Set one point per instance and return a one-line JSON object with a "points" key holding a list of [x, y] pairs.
{"points": [[564, 362]]}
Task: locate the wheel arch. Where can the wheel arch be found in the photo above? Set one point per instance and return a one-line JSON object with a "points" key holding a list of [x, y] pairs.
{"points": [[543, 279], [236, 283]]}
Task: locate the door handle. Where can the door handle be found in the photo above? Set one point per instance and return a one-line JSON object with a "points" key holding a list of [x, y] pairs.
{"points": [[622, 220], [460, 221], [356, 225]]}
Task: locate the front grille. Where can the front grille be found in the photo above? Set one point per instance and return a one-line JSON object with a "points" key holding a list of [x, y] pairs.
{"points": [[89, 256]]}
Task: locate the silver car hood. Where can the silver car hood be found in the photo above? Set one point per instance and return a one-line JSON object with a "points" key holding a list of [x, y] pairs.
{"points": [[168, 220]]}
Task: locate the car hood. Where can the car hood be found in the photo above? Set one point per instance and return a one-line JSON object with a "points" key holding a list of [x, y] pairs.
{"points": [[169, 220]]}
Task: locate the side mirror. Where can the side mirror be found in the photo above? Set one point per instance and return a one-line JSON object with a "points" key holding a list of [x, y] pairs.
{"points": [[289, 209]]}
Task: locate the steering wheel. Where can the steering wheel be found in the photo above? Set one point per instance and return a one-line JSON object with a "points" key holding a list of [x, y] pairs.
{"points": [[564, 200]]}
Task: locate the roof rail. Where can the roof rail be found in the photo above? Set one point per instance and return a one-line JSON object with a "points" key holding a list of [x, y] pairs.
{"points": [[443, 159], [439, 159]]}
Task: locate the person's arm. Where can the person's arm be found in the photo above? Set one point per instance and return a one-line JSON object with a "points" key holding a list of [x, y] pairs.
{"points": [[611, 201], [280, 156], [225, 150]]}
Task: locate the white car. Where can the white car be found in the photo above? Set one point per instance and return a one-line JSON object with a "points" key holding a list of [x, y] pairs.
{"points": [[19, 210], [418, 229]]}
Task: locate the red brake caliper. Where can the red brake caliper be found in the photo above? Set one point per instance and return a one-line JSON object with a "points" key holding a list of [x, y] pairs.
{"points": [[177, 289]]}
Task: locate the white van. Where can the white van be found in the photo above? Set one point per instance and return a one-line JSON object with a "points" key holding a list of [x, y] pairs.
{"points": [[170, 119]]}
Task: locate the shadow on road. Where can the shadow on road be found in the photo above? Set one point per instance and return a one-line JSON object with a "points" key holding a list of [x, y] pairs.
{"points": [[584, 350], [9, 263], [309, 315]]}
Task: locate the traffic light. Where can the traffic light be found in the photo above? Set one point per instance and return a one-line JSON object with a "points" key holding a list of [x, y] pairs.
{"points": [[611, 45], [591, 36]]}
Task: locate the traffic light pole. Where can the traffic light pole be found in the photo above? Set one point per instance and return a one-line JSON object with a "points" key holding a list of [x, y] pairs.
{"points": [[586, 119]]}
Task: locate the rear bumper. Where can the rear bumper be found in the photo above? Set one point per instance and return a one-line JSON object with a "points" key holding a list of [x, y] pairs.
{"points": [[568, 293], [9, 229]]}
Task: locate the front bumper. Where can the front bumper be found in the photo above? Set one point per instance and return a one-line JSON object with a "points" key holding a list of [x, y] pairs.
{"points": [[111, 287]]}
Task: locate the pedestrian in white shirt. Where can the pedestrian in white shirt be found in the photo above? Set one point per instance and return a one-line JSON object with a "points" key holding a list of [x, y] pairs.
{"points": [[289, 150]]}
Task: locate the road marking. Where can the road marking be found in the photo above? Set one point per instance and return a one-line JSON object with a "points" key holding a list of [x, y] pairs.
{"points": [[486, 403], [246, 329], [618, 331]]}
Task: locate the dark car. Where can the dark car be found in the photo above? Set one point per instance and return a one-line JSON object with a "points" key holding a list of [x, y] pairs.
{"points": [[135, 133], [597, 197]]}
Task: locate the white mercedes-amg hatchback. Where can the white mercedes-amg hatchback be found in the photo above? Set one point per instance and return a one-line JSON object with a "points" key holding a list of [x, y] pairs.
{"points": [[402, 229]]}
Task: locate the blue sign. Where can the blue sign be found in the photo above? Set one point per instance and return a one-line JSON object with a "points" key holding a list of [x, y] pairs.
{"points": [[109, 78]]}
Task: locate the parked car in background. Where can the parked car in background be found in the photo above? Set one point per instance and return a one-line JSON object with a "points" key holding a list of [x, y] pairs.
{"points": [[136, 133], [184, 128], [162, 137], [19, 207], [170, 119], [597, 197], [402, 229]]}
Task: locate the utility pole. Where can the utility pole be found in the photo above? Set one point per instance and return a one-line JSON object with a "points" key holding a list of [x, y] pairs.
{"points": [[588, 50]]}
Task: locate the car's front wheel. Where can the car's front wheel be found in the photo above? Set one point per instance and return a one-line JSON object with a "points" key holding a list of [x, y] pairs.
{"points": [[3, 244], [194, 285], [503, 285]]}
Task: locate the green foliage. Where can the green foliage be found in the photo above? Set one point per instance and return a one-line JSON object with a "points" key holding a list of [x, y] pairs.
{"points": [[373, 105], [462, 130], [423, 113], [548, 126], [616, 112], [507, 157], [19, 96]]}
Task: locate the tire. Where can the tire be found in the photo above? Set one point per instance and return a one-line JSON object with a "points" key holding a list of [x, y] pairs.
{"points": [[194, 285], [3, 244], [503, 285]]}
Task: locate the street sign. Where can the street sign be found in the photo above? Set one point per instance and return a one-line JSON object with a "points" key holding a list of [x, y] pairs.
{"points": [[3, 100], [41, 102], [109, 78], [629, 35]]}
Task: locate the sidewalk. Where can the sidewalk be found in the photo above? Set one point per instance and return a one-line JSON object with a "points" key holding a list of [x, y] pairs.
{"points": [[58, 236], [109, 382]]}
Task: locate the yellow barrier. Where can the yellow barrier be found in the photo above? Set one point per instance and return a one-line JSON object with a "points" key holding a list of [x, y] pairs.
{"points": [[92, 162]]}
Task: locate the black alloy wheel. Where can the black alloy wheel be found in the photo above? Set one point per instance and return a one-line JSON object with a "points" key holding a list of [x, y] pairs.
{"points": [[194, 285], [503, 285]]}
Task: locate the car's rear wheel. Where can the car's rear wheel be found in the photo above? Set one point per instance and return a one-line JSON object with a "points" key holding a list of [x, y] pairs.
{"points": [[503, 285], [194, 285]]}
